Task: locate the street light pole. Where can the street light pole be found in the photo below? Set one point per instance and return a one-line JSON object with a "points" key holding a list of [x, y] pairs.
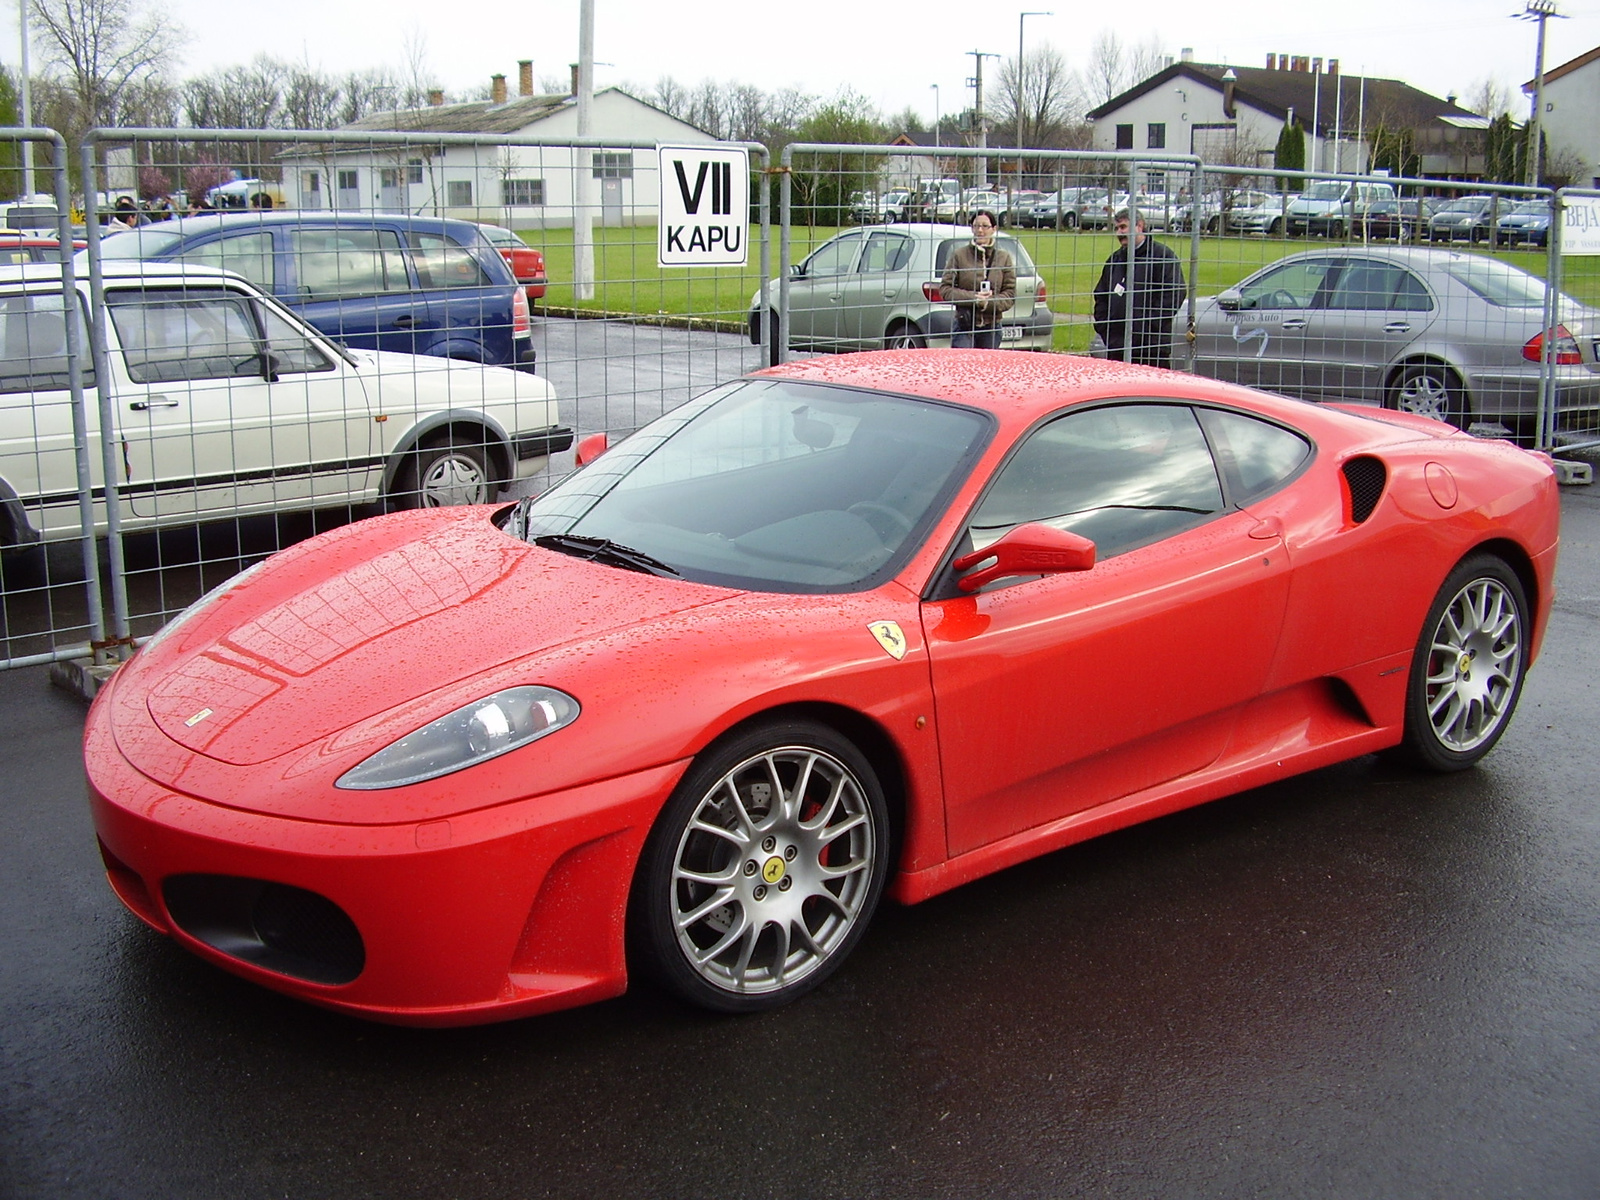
{"points": [[27, 108], [1540, 11], [1022, 19], [935, 88]]}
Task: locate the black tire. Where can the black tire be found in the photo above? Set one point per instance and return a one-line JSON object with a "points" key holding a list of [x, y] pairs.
{"points": [[1276, 228], [812, 862], [1468, 668], [1433, 390], [904, 335], [443, 471]]}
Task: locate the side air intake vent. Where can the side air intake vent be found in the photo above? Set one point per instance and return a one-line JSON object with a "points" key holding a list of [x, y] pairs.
{"points": [[1365, 478]]}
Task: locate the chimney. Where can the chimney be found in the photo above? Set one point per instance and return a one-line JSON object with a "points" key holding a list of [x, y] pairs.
{"points": [[1272, 62], [436, 99], [1333, 66], [525, 77], [1186, 54], [1229, 82], [1316, 65], [574, 79], [497, 89], [1283, 62]]}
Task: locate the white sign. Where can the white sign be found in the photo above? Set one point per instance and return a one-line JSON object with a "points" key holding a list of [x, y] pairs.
{"points": [[1580, 226], [704, 206]]}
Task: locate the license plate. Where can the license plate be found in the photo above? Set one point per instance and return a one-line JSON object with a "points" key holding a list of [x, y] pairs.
{"points": [[1011, 333]]}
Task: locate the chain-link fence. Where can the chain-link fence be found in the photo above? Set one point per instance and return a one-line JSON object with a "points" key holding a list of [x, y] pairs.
{"points": [[292, 330]]}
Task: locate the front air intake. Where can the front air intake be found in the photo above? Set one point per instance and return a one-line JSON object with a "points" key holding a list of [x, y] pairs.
{"points": [[277, 927], [1364, 479]]}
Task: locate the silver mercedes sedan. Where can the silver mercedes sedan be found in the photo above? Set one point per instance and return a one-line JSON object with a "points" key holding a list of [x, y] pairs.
{"points": [[1451, 334]]}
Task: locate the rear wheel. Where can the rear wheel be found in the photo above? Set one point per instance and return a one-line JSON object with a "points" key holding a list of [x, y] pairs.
{"points": [[763, 870], [1433, 390], [1468, 668], [443, 472], [903, 335]]}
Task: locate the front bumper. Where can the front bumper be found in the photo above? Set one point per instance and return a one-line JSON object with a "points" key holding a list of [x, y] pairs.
{"points": [[503, 912]]}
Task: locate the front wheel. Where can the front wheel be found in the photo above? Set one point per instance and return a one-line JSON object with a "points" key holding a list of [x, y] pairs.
{"points": [[1467, 672], [1433, 390], [442, 473], [763, 870], [905, 336]]}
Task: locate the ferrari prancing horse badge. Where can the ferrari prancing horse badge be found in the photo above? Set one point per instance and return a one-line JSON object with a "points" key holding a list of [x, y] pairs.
{"points": [[889, 637]]}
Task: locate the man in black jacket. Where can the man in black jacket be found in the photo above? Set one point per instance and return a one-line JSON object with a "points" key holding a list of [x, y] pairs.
{"points": [[1156, 294]]}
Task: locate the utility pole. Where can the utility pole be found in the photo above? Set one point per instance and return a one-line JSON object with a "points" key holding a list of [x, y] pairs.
{"points": [[583, 214], [1540, 11], [976, 83], [1022, 19]]}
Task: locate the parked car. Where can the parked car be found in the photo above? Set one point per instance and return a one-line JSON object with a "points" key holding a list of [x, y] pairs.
{"points": [[881, 624], [880, 287], [1064, 210], [1396, 220], [873, 208], [1217, 211], [1528, 222], [933, 201], [417, 285], [526, 262], [16, 249], [1451, 335], [975, 199], [227, 404], [1019, 204], [1333, 207], [1265, 216], [1466, 218]]}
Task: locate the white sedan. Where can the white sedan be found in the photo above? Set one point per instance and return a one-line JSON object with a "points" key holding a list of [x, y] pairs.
{"points": [[224, 404]]}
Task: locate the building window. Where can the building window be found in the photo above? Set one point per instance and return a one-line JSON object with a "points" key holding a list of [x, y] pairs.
{"points": [[313, 182], [613, 166], [389, 177], [1155, 137], [347, 181], [413, 170], [522, 192], [458, 193], [1124, 137]]}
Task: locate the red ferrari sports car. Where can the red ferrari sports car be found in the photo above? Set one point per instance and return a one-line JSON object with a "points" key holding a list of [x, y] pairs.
{"points": [[879, 622]]}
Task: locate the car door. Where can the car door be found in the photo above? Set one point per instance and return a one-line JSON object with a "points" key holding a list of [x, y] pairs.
{"points": [[1062, 693], [355, 285], [1371, 312], [880, 284], [1257, 335], [817, 293], [205, 432]]}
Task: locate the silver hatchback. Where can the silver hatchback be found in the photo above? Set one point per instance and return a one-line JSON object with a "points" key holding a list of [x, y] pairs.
{"points": [[1453, 335], [869, 289]]}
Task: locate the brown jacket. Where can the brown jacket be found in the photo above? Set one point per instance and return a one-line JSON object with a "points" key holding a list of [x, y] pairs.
{"points": [[964, 275]]}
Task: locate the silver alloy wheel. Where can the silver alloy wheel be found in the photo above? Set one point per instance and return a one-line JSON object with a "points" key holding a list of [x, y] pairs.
{"points": [[772, 870], [1474, 663], [454, 478], [1426, 389]]}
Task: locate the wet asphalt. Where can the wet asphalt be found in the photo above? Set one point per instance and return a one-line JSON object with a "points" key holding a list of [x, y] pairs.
{"points": [[1363, 982]]}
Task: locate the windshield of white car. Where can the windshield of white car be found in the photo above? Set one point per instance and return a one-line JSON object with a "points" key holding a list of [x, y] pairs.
{"points": [[770, 485], [1325, 191]]}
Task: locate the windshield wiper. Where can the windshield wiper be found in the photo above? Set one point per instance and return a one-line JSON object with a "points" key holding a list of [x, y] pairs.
{"points": [[604, 550]]}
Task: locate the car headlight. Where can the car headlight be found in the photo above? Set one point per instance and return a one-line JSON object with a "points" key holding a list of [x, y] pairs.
{"points": [[474, 733]]}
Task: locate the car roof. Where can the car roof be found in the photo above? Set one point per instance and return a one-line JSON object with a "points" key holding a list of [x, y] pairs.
{"points": [[210, 222], [120, 270], [1021, 388]]}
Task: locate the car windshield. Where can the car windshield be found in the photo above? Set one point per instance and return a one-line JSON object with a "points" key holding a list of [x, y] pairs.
{"points": [[1531, 208], [1467, 204], [138, 243], [1325, 191], [1498, 283], [768, 485]]}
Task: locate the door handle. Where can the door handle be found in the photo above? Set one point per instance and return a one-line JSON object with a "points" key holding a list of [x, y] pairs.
{"points": [[153, 402], [1398, 327], [1294, 323], [835, 297], [405, 322]]}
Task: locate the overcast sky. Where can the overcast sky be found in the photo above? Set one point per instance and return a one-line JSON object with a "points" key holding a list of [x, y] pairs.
{"points": [[891, 53]]}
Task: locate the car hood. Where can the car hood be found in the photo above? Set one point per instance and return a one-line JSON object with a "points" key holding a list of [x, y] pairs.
{"points": [[386, 611], [450, 380]]}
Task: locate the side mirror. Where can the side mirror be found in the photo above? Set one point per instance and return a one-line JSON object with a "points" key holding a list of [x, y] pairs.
{"points": [[1031, 549], [1228, 301], [591, 448], [797, 270]]}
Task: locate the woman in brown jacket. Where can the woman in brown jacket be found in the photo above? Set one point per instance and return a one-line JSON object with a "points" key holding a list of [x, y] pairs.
{"points": [[982, 281]]}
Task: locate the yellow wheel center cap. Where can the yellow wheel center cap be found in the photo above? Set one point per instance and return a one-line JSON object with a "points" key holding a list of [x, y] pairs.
{"points": [[1464, 667], [772, 871]]}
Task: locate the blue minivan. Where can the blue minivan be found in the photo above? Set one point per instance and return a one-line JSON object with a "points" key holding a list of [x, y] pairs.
{"points": [[374, 281]]}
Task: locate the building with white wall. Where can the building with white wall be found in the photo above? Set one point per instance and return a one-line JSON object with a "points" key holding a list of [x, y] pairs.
{"points": [[1571, 104]]}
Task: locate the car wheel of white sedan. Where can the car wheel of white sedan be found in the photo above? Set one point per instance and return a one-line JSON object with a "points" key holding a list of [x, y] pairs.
{"points": [[1467, 672], [444, 473], [763, 870], [1432, 390]]}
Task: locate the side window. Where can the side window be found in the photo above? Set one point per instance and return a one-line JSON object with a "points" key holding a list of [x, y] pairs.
{"points": [[1121, 476], [1293, 285], [294, 351], [247, 254], [1256, 457], [442, 263], [330, 264], [836, 258], [1378, 286], [885, 252], [33, 345], [172, 336]]}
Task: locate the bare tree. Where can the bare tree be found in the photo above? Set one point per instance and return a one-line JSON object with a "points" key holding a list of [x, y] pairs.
{"points": [[1489, 98], [246, 96], [671, 97], [103, 48], [1115, 67], [310, 100]]}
